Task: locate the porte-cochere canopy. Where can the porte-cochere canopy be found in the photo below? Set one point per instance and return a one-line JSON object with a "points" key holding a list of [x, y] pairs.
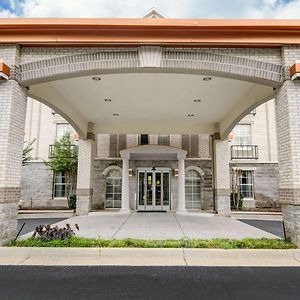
{"points": [[152, 89]]}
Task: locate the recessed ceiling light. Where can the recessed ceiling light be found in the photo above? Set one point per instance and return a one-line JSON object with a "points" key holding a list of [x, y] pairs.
{"points": [[207, 78], [96, 78], [107, 100], [116, 115], [190, 115], [197, 100]]}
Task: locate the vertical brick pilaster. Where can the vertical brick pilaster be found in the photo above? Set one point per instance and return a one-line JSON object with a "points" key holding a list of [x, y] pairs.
{"points": [[87, 152], [222, 176], [288, 135]]}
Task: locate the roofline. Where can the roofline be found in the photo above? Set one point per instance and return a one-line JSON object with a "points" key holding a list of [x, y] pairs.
{"points": [[168, 32]]}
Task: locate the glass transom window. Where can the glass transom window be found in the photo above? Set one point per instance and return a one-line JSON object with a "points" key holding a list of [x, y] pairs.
{"points": [[247, 184], [113, 189], [192, 190]]}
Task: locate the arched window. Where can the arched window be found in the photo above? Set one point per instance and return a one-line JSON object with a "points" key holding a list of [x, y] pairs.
{"points": [[113, 189], [192, 190]]}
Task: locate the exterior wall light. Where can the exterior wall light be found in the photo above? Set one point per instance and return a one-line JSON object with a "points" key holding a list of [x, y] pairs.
{"points": [[176, 172], [230, 137], [295, 71], [207, 78], [107, 100], [96, 78], [4, 71], [130, 172]]}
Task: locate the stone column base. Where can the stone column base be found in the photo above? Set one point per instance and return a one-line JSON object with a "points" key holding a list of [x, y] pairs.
{"points": [[291, 218], [125, 211], [83, 201], [181, 211], [9, 202], [223, 202], [83, 205]]}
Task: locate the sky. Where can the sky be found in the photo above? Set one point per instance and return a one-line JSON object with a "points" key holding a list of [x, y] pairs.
{"points": [[243, 9]]}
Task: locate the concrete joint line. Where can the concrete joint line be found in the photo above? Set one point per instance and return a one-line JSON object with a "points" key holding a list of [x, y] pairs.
{"points": [[122, 224], [22, 261], [295, 257], [183, 256], [185, 236]]}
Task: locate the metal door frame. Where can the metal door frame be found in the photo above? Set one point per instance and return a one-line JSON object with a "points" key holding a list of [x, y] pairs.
{"points": [[153, 207]]}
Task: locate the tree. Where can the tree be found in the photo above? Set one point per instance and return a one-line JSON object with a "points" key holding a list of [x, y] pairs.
{"points": [[63, 158], [26, 152]]}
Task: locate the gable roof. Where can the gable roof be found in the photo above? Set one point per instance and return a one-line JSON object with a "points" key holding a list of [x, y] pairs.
{"points": [[154, 13]]}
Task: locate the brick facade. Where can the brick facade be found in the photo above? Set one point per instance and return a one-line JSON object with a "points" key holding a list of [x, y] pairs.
{"points": [[36, 64], [12, 122]]}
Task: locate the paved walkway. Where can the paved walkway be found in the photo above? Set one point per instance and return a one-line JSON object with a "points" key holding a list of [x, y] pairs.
{"points": [[160, 226]]}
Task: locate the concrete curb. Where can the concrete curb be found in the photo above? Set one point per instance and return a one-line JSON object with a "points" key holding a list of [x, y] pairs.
{"points": [[45, 214], [148, 257]]}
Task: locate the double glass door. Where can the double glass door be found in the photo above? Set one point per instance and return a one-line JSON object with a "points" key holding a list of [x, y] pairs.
{"points": [[153, 189]]}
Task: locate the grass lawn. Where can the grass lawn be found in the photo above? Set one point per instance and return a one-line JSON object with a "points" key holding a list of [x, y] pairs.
{"points": [[137, 243]]}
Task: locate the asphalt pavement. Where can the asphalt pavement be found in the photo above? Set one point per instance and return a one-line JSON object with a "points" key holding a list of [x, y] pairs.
{"points": [[274, 227], [117, 282]]}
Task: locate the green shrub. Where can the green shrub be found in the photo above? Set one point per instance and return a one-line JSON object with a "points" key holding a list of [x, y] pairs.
{"points": [[72, 202]]}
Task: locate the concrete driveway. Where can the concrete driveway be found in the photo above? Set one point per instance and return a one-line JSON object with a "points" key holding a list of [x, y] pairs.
{"points": [[113, 225]]}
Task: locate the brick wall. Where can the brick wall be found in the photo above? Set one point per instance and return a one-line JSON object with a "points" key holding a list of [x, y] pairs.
{"points": [[12, 122]]}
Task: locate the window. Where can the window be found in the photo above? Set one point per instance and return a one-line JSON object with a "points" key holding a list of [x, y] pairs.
{"points": [[62, 129], [247, 184], [59, 185], [113, 189], [242, 134], [144, 139], [164, 139], [192, 190]]}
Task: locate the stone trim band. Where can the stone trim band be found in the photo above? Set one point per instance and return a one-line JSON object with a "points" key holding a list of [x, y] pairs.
{"points": [[155, 59], [9, 194]]}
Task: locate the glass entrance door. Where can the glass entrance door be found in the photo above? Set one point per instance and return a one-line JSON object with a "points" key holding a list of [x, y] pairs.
{"points": [[153, 189]]}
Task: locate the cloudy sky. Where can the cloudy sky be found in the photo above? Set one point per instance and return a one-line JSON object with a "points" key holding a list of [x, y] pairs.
{"points": [[285, 9]]}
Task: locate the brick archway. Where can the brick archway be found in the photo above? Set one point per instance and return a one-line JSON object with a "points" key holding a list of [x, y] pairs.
{"points": [[151, 59]]}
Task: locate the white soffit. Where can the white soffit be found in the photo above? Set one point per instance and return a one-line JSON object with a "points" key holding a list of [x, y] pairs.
{"points": [[150, 102]]}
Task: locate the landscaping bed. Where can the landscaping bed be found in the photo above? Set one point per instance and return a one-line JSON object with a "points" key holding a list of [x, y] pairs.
{"points": [[139, 243]]}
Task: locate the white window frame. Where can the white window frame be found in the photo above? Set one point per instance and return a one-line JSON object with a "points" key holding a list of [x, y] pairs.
{"points": [[195, 182], [239, 136], [116, 196], [251, 184], [55, 184]]}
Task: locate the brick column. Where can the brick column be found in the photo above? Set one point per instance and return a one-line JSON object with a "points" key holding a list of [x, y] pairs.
{"points": [[87, 151], [181, 186], [13, 99], [125, 208], [222, 176], [288, 135]]}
